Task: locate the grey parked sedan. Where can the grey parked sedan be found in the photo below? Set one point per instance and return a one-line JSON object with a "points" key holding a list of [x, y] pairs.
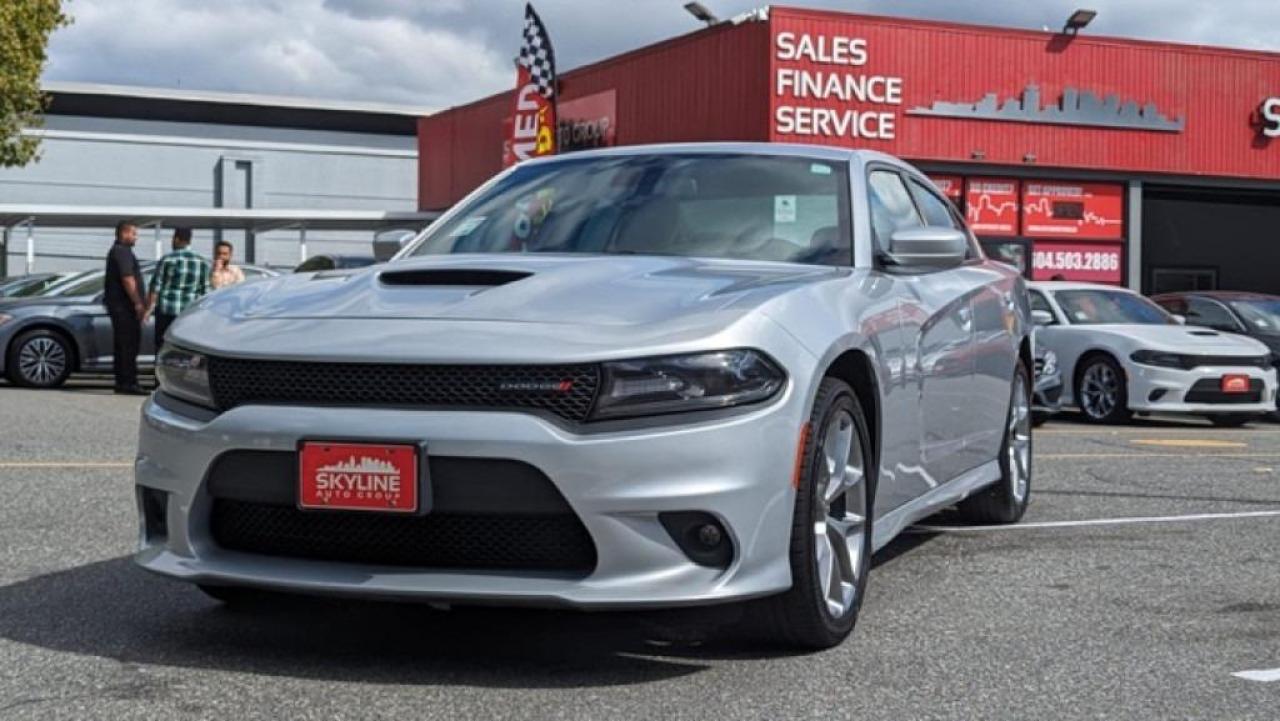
{"points": [[641, 377], [65, 329]]}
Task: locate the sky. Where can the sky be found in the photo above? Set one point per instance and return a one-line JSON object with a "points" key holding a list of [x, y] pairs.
{"points": [[437, 53]]}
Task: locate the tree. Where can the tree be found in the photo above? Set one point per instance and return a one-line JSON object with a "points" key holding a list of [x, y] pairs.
{"points": [[25, 26]]}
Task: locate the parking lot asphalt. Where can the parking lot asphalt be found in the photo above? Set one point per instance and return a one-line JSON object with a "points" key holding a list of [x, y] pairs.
{"points": [[1144, 576]]}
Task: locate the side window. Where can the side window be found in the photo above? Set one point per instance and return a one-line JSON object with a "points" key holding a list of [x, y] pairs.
{"points": [[1039, 302], [1210, 315], [935, 211], [891, 206]]}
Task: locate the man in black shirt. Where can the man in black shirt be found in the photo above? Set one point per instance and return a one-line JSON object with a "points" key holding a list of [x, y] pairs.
{"points": [[123, 297]]}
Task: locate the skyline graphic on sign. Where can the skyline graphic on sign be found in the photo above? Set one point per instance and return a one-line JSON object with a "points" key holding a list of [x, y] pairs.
{"points": [[1073, 108]]}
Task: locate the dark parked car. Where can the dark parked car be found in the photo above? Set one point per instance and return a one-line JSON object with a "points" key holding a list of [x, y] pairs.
{"points": [[65, 329], [1256, 315], [329, 261]]}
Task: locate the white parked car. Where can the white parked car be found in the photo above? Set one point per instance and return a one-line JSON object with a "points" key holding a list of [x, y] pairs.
{"points": [[1121, 353]]}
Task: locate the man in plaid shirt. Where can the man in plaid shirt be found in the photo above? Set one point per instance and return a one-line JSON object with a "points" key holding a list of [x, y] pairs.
{"points": [[180, 278]]}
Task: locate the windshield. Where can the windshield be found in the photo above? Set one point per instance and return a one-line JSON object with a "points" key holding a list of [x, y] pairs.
{"points": [[715, 206], [1085, 307], [1261, 314]]}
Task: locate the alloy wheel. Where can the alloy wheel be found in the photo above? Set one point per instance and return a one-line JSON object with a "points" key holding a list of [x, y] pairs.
{"points": [[841, 514], [1018, 440], [1099, 390], [41, 361]]}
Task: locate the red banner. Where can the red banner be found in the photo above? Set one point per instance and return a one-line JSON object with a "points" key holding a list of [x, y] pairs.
{"points": [[951, 186], [1093, 211], [533, 126], [588, 122], [991, 206], [1092, 262]]}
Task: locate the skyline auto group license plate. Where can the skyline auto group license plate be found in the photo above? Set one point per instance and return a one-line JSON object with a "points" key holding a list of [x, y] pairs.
{"points": [[358, 477]]}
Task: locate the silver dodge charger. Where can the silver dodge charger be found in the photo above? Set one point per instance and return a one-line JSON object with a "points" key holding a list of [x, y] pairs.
{"points": [[645, 377]]}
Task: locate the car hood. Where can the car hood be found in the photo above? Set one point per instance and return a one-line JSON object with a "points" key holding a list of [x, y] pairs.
{"points": [[566, 290], [499, 308], [1181, 339]]}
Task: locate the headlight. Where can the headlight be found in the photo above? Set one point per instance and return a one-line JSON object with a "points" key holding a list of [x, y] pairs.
{"points": [[1161, 359], [1050, 363], [184, 374], [673, 384]]}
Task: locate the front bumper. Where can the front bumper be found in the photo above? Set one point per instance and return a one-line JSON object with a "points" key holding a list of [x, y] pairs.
{"points": [[1169, 390], [737, 468]]}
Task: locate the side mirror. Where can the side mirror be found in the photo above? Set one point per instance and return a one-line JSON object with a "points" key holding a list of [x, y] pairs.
{"points": [[389, 242], [1181, 319], [1042, 317], [928, 247]]}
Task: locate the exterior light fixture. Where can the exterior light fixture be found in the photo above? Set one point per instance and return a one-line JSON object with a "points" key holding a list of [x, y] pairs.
{"points": [[1078, 20], [700, 11]]}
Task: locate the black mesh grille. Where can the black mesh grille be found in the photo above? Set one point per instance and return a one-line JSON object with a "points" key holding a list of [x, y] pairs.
{"points": [[555, 543], [1209, 390], [566, 391], [1199, 361]]}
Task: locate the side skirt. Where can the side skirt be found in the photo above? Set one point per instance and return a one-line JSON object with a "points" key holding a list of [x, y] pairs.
{"points": [[948, 494]]}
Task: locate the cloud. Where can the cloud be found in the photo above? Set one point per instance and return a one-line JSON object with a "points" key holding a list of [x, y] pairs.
{"points": [[437, 53]]}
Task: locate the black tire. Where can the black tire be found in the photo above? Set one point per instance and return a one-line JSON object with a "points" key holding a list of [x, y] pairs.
{"points": [[53, 352], [1119, 411], [1006, 500], [1233, 420], [800, 616], [230, 595]]}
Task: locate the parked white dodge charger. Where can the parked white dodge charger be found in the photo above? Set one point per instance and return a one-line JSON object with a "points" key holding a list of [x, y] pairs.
{"points": [[641, 377], [1120, 353]]}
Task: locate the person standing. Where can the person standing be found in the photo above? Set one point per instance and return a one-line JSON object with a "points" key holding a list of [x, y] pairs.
{"points": [[180, 278], [224, 273], [123, 297]]}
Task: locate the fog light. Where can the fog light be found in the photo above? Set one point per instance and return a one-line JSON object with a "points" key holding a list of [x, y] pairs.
{"points": [[700, 536], [1156, 395]]}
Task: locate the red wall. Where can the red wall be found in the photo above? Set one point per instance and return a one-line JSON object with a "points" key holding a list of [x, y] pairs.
{"points": [[719, 84], [709, 85], [1217, 91]]}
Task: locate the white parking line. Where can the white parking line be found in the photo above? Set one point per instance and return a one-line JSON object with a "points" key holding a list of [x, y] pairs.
{"points": [[1262, 675], [1100, 522], [66, 464]]}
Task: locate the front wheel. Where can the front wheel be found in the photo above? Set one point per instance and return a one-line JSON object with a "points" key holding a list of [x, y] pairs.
{"points": [[1006, 501], [831, 527], [1101, 391], [39, 358]]}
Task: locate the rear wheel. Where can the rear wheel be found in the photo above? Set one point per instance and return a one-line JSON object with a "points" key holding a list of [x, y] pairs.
{"points": [[831, 528], [1101, 391], [1006, 501], [39, 358]]}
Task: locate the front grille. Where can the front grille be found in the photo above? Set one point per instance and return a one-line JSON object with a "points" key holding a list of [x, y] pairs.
{"points": [[485, 514], [434, 541], [1199, 361], [1209, 390], [567, 391]]}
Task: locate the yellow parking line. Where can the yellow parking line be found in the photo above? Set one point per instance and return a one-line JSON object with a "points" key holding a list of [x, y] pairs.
{"points": [[66, 464], [1188, 443]]}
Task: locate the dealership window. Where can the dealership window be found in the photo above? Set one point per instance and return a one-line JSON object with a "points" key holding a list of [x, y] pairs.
{"points": [[1176, 280]]}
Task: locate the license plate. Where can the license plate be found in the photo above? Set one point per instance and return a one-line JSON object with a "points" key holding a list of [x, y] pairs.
{"points": [[1235, 383], [358, 477]]}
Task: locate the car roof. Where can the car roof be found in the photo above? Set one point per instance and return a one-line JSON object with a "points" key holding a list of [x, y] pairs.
{"points": [[1219, 295], [1073, 285], [799, 150]]}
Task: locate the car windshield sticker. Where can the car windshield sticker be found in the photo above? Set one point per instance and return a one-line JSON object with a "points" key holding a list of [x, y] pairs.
{"points": [[531, 210], [784, 208], [468, 225], [820, 169]]}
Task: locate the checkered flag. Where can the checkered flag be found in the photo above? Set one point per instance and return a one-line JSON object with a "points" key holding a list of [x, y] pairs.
{"points": [[537, 55]]}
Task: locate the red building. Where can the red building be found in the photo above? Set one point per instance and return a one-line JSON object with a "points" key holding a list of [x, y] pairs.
{"points": [[1151, 164]]}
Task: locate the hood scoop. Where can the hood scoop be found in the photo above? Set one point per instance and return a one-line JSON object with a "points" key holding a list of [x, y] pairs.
{"points": [[452, 277], [1206, 333]]}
